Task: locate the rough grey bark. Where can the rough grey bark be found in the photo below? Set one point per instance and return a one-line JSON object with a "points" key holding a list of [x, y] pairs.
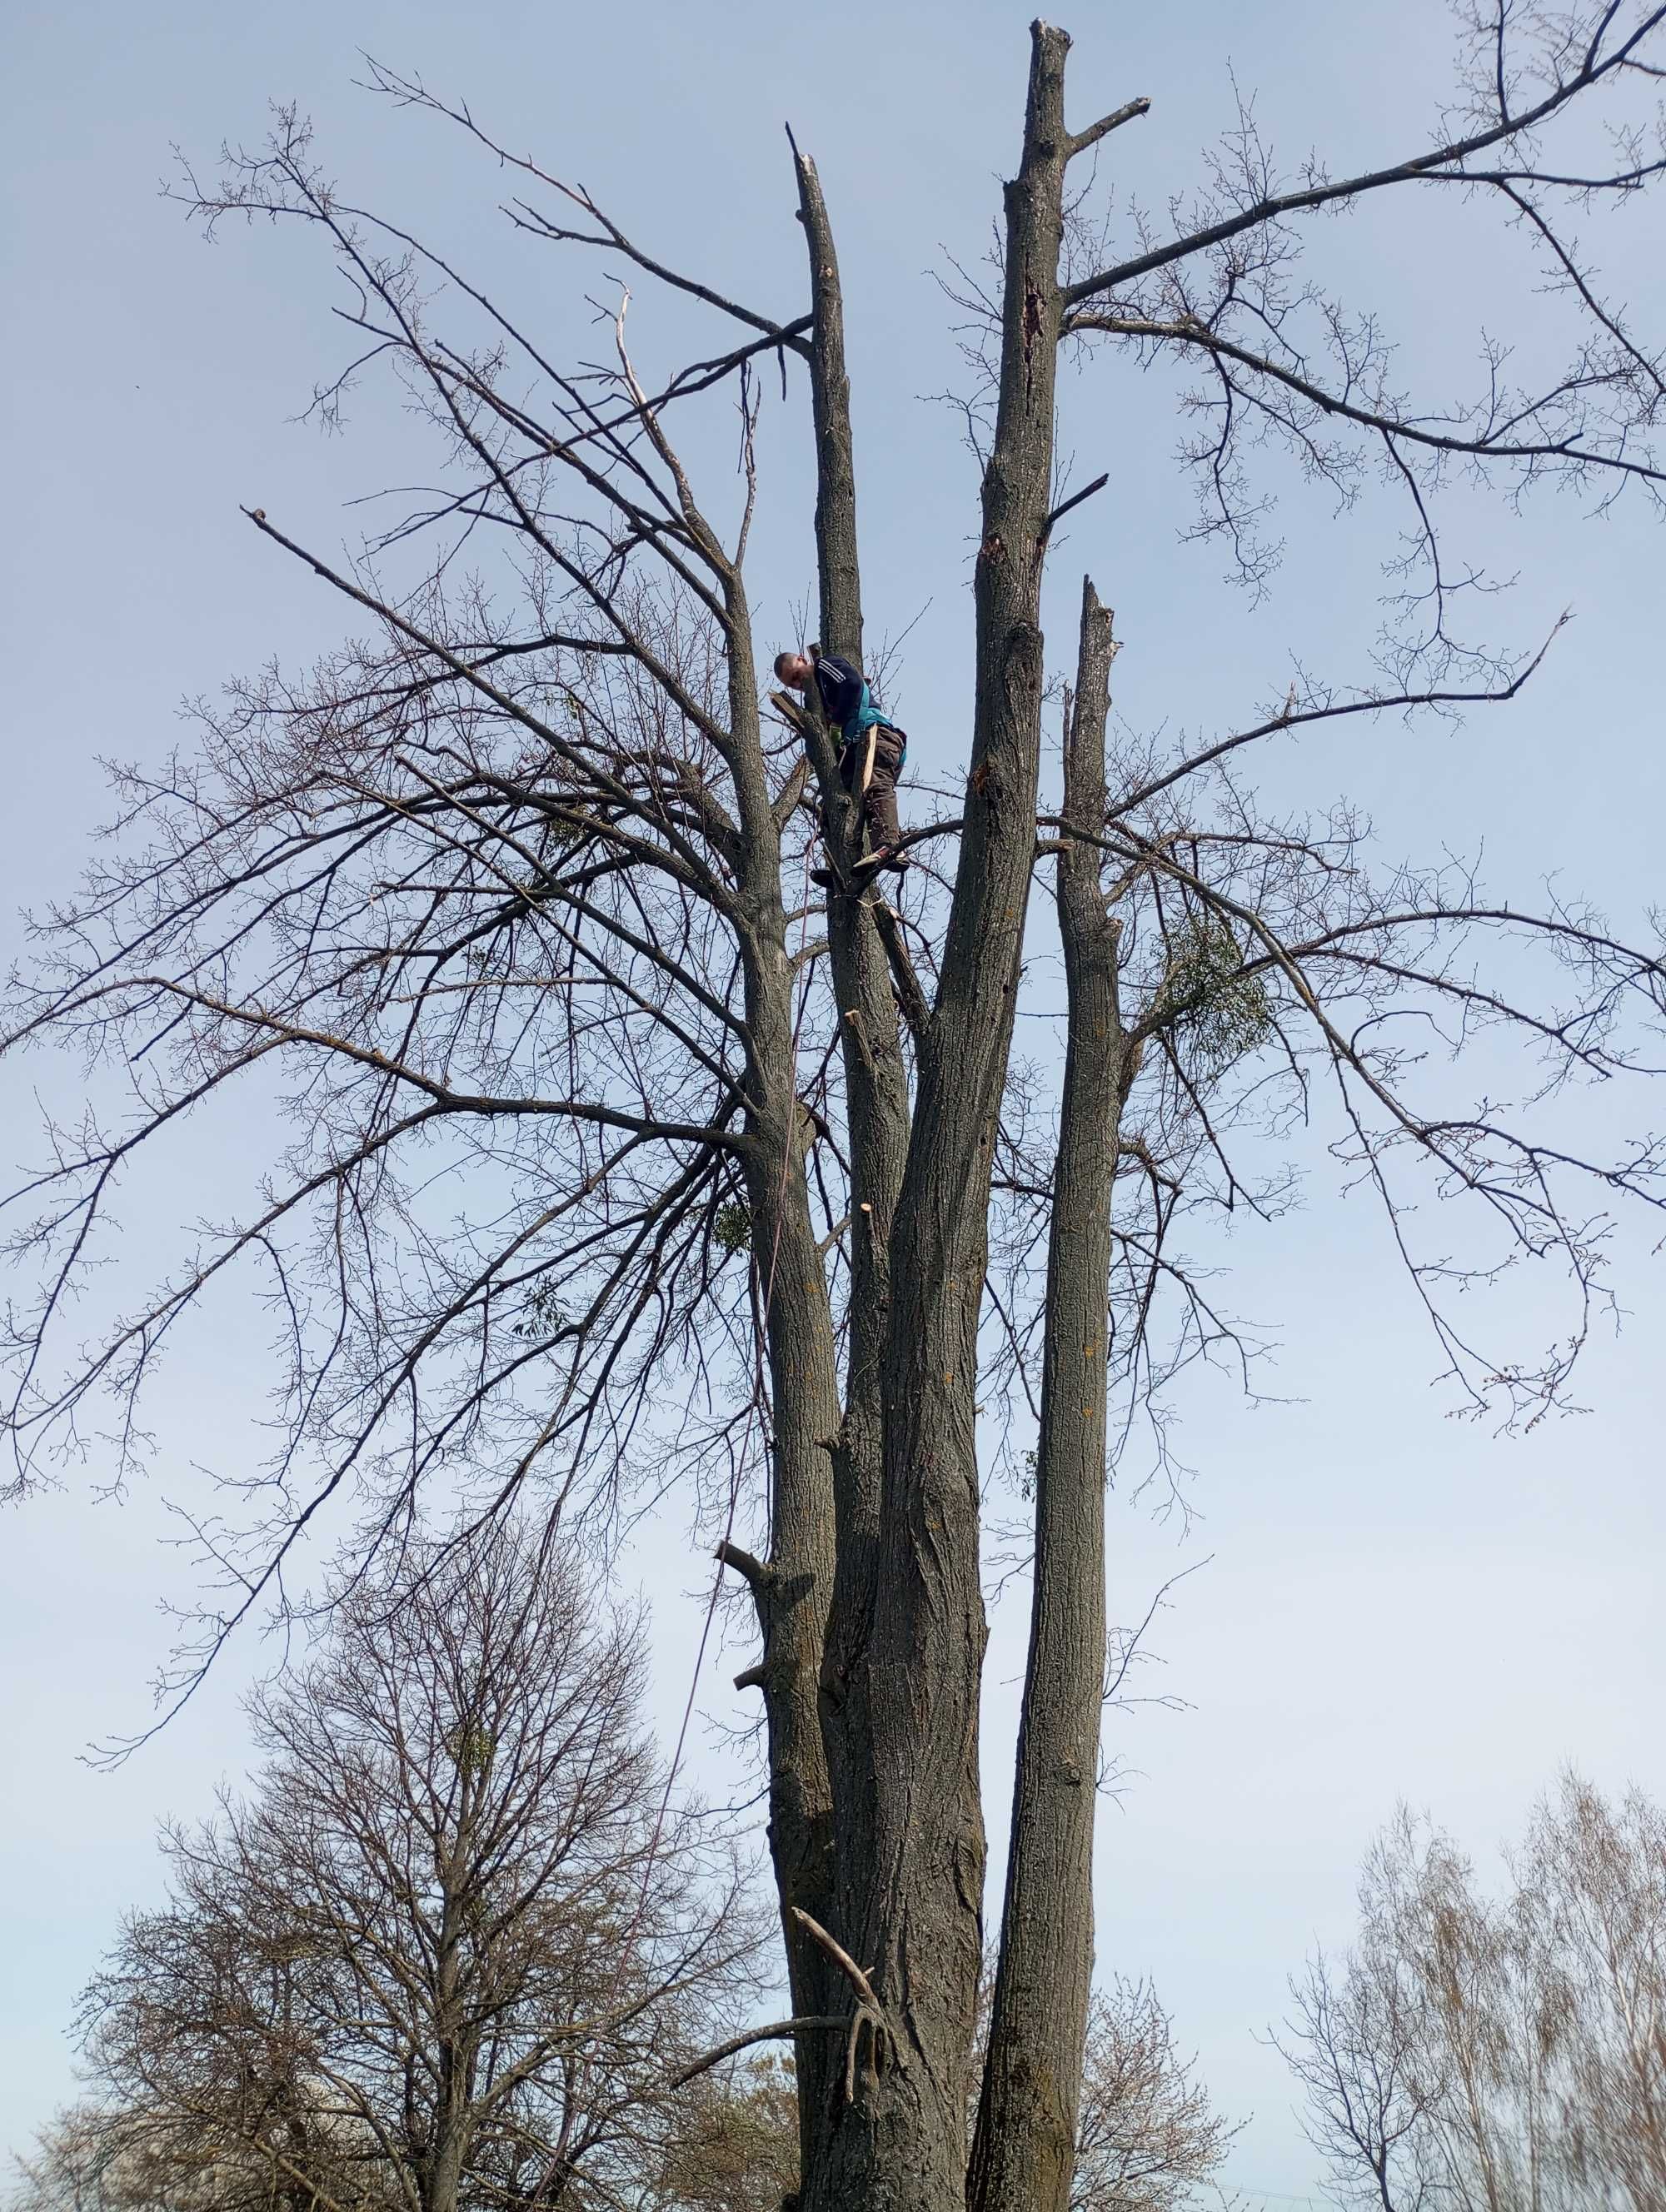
{"points": [[816, 1521], [876, 1084], [1024, 2151], [792, 1590], [442, 2161], [909, 1815], [838, 561]]}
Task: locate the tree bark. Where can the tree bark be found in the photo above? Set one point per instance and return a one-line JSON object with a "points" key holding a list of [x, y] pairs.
{"points": [[793, 1590], [1024, 2151], [876, 1089], [909, 1816]]}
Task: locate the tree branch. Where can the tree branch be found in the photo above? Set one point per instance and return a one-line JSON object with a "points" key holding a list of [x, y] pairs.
{"points": [[1438, 165], [778, 2031]]}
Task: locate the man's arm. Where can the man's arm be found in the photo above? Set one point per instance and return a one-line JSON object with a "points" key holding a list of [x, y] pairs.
{"points": [[839, 684]]}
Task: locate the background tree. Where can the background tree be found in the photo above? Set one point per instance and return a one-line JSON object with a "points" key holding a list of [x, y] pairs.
{"points": [[79, 2164], [1498, 2054], [609, 1160], [1353, 2049], [101, 2157], [736, 2146], [451, 1946], [1148, 2139]]}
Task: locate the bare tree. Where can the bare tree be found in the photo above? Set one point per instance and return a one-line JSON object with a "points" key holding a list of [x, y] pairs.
{"points": [[66, 2170], [451, 1948], [81, 2164], [1425, 2067], [101, 2157], [1500, 2055], [612, 1157], [1355, 2051], [1148, 2139], [1592, 1878], [736, 2147]]}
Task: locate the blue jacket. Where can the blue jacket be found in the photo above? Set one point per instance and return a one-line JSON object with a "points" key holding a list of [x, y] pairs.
{"points": [[846, 699]]}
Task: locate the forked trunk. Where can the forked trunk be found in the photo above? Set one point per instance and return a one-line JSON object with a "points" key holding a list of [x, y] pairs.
{"points": [[905, 1652]]}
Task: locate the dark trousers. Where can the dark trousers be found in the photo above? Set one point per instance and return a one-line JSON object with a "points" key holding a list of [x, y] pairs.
{"points": [[879, 800]]}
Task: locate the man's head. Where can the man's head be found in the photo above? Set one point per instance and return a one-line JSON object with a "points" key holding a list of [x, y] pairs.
{"points": [[794, 669]]}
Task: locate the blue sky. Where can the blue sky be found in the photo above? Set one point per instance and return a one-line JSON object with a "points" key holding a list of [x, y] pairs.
{"points": [[1396, 1604]]}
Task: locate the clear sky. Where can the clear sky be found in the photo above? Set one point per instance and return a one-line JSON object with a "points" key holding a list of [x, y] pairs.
{"points": [[1396, 1604]]}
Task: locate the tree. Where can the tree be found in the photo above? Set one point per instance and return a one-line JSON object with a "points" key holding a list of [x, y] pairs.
{"points": [[1497, 2055], [737, 2148], [1593, 1879], [1147, 2137], [1353, 2049], [450, 1949], [510, 889], [79, 2164], [97, 2157]]}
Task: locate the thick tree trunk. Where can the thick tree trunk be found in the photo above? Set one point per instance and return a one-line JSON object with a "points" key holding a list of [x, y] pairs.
{"points": [[908, 1815], [445, 2170], [876, 1089], [1024, 2153]]}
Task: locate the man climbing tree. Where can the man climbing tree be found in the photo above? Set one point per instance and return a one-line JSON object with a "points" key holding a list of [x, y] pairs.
{"points": [[871, 751], [502, 888]]}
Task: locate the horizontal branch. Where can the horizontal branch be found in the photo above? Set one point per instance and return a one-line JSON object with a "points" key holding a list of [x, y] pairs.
{"points": [[1294, 719], [279, 1032], [750, 1570], [778, 2031], [696, 877]]}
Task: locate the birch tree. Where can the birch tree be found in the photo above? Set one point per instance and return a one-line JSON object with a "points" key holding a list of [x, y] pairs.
{"points": [[614, 1157], [1498, 2052]]}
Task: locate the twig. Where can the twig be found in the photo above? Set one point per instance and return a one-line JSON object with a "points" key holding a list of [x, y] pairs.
{"points": [[1130, 1649]]}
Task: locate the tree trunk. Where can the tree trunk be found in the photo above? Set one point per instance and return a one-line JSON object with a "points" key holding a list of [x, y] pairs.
{"points": [[876, 1089], [453, 2067], [1023, 2152], [792, 1591], [445, 2168], [876, 1084], [907, 1804]]}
